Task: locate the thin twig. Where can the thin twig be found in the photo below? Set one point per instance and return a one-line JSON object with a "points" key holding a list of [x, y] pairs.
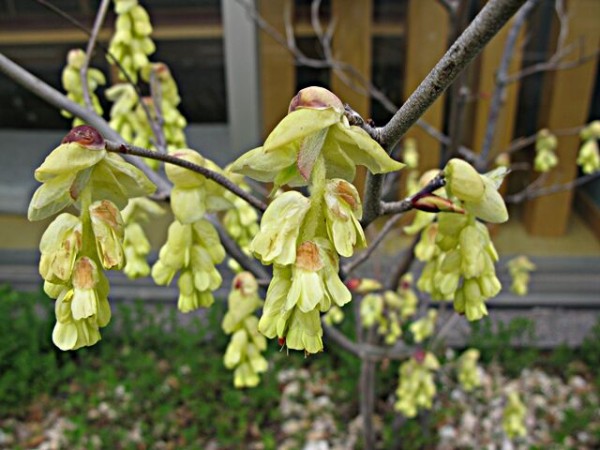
{"points": [[127, 149], [407, 204], [499, 94], [364, 256], [114, 60], [528, 193], [46, 92], [102, 9]]}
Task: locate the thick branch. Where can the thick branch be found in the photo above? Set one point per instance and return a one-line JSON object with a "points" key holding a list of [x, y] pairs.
{"points": [[487, 23], [46, 92], [127, 149]]}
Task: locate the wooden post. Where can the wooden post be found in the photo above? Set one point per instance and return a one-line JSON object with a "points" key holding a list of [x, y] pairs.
{"points": [[569, 94], [488, 63], [426, 43], [277, 70], [352, 44]]}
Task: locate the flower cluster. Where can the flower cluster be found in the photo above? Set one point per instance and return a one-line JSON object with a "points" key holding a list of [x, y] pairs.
{"points": [[303, 237], [589, 155], [458, 251], [519, 269], [173, 122], [193, 245], [73, 84], [244, 350], [416, 388], [136, 244], [131, 43], [75, 249], [389, 310], [468, 373], [545, 147], [514, 416]]}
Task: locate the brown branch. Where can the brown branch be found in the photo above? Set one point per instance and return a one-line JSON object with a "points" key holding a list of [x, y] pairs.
{"points": [[46, 92], [365, 255], [488, 22], [127, 149], [407, 204]]}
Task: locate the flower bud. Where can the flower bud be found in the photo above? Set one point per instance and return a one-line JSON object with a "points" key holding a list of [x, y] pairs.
{"points": [[463, 181], [316, 97]]}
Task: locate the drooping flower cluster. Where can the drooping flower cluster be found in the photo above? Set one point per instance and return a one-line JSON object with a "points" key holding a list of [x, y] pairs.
{"points": [[136, 244], [193, 246], [545, 151], [303, 237], [520, 268], [424, 327], [244, 350], [73, 84], [416, 388], [173, 121], [514, 416], [131, 43], [389, 310], [74, 250], [468, 372], [589, 155], [458, 251]]}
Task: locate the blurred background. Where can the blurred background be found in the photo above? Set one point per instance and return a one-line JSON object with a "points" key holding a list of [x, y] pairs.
{"points": [[237, 67]]}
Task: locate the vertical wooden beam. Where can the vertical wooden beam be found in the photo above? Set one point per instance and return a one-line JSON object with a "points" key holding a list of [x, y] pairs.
{"points": [[426, 43], [277, 70], [241, 73], [488, 63], [569, 96], [352, 44]]}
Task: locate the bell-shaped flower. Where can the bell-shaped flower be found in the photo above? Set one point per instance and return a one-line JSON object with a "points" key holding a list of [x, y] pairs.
{"points": [[59, 246], [280, 227], [343, 212], [469, 300], [302, 330], [315, 126], [108, 228], [82, 309], [490, 207]]}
